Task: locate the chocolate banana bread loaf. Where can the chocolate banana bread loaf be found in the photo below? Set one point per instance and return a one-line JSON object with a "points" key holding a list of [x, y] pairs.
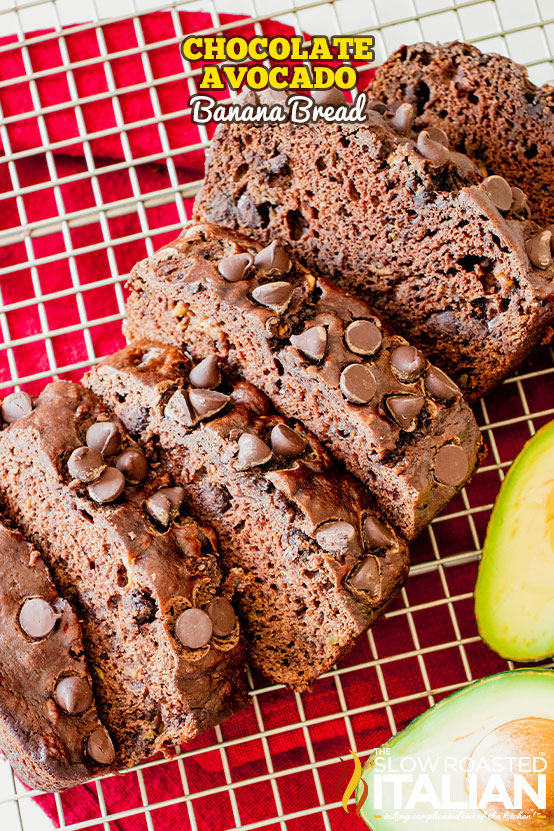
{"points": [[50, 730], [319, 561], [322, 356], [161, 638], [404, 222], [486, 105]]}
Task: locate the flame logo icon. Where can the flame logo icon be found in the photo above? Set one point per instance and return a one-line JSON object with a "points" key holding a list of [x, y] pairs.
{"points": [[353, 784]]}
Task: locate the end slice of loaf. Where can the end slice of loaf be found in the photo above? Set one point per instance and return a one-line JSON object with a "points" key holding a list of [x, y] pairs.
{"points": [[319, 561], [50, 730], [302, 354], [403, 222], [133, 564], [487, 106]]}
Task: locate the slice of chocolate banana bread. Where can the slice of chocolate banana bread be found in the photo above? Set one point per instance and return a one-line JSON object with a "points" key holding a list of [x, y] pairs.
{"points": [[50, 730], [322, 356], [319, 561], [161, 637], [486, 105], [404, 222]]}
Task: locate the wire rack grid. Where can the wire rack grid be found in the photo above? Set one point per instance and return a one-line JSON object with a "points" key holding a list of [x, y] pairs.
{"points": [[280, 765]]}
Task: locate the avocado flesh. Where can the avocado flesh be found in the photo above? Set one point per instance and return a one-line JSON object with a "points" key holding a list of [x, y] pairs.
{"points": [[453, 730], [514, 595]]}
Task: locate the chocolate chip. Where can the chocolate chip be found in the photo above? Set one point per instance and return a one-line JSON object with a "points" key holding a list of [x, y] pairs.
{"points": [[86, 464], [176, 496], [312, 342], [271, 96], [332, 97], [363, 337], [377, 535], [464, 165], [133, 465], [252, 451], [206, 374], [436, 134], [286, 442], [358, 384], [407, 363], [143, 607], [207, 403], [275, 296], [73, 694], [538, 249], [16, 405], [336, 535], [377, 106], [248, 96], [439, 385], [499, 192], [273, 258], [100, 747], [430, 149], [222, 617], [234, 268], [164, 505], [105, 437], [274, 327], [179, 409], [220, 500], [108, 487], [37, 618], [366, 576], [403, 118], [519, 201], [404, 409], [451, 465], [194, 628], [158, 507]]}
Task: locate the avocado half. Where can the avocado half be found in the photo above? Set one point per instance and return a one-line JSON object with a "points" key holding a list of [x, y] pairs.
{"points": [[514, 595], [453, 749]]}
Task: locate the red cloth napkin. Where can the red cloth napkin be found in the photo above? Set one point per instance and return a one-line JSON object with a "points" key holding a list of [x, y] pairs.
{"points": [[100, 67], [288, 747]]}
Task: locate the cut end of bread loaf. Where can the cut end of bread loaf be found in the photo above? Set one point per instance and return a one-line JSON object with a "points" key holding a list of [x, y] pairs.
{"points": [[413, 230], [486, 105], [319, 561], [50, 730], [113, 529], [323, 356]]}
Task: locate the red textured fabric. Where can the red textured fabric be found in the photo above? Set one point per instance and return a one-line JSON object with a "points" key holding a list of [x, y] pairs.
{"points": [[289, 746]]}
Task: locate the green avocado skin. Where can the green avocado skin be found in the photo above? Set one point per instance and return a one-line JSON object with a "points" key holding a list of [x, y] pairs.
{"points": [[450, 730], [514, 594]]}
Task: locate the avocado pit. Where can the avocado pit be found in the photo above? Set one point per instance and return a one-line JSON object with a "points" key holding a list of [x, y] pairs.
{"points": [[517, 751]]}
